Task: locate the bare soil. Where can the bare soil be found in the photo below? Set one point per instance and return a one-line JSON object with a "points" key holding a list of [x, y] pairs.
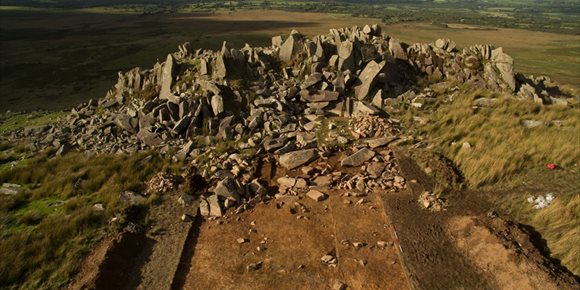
{"points": [[459, 248], [506, 252], [290, 237], [462, 248]]}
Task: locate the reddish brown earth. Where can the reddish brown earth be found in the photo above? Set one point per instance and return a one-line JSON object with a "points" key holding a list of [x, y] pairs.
{"points": [[459, 248]]}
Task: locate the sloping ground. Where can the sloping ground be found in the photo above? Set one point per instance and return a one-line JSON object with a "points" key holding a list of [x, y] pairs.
{"points": [[280, 243], [140, 261], [505, 252], [451, 250]]}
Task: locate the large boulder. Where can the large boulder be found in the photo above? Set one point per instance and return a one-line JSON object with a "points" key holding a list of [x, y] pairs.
{"points": [[294, 159], [505, 66]]}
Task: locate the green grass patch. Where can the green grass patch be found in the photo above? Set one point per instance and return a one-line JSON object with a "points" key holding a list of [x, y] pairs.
{"points": [[12, 122], [47, 228]]}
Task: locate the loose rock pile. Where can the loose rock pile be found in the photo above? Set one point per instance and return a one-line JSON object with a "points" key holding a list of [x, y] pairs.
{"points": [[270, 100]]}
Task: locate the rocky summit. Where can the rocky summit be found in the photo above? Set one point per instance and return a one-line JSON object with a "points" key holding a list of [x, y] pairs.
{"points": [[273, 100]]}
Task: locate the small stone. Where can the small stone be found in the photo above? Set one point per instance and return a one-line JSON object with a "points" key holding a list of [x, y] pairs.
{"points": [[316, 195], [383, 244], [241, 240], [99, 207], [254, 266]]}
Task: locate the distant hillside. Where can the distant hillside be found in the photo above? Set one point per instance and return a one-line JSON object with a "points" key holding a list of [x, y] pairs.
{"points": [[90, 3]]}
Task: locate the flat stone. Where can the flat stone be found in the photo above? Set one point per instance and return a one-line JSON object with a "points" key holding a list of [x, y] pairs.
{"points": [[318, 97], [274, 144], [254, 266], [316, 195], [295, 159], [358, 158], [375, 169], [323, 180], [184, 151], [381, 141], [287, 181], [312, 80], [227, 188], [149, 138], [9, 189]]}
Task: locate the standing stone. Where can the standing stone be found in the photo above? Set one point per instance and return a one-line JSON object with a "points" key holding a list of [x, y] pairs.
{"points": [[203, 67], [346, 56], [367, 78], [204, 208], [291, 48], [167, 81], [505, 65], [215, 209], [220, 71]]}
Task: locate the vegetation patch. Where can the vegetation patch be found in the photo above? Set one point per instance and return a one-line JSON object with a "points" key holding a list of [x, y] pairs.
{"points": [[492, 143], [559, 223], [53, 222], [13, 121]]}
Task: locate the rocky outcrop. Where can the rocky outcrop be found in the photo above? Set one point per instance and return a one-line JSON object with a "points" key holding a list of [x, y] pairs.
{"points": [[270, 96]]}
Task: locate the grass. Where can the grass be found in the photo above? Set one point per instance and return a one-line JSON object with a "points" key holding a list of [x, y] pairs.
{"points": [[507, 158], [330, 129], [11, 122], [500, 145], [43, 244], [559, 223]]}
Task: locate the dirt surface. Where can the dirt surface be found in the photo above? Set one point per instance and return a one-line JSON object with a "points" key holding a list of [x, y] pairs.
{"points": [[147, 260], [290, 236], [450, 250], [431, 258], [505, 251], [284, 239]]}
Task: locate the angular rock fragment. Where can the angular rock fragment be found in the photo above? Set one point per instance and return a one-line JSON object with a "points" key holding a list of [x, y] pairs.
{"points": [[358, 158], [316, 195], [295, 159]]}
